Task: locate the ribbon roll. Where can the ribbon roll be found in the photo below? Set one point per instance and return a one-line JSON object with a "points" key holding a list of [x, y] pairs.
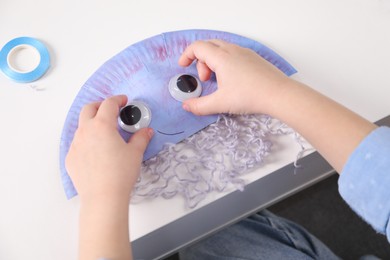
{"points": [[24, 77]]}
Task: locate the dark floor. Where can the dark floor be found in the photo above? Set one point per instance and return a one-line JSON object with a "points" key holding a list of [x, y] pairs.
{"points": [[321, 210]]}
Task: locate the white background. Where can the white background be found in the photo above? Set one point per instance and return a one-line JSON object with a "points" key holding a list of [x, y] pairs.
{"points": [[340, 47]]}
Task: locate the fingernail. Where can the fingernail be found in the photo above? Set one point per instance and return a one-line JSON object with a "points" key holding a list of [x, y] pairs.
{"points": [[150, 132], [186, 107]]}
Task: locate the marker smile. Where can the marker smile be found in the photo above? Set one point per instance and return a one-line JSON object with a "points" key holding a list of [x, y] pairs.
{"points": [[170, 133]]}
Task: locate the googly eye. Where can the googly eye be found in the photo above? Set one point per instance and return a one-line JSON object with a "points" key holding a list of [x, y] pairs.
{"points": [[134, 116], [184, 86]]}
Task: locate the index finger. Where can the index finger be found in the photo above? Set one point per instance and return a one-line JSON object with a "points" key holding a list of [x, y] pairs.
{"points": [[88, 112], [109, 109], [205, 51]]}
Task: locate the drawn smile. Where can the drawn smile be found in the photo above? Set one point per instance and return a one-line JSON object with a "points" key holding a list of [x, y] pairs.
{"points": [[170, 133]]}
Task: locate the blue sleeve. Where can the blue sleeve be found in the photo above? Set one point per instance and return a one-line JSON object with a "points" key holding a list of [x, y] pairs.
{"points": [[364, 182]]}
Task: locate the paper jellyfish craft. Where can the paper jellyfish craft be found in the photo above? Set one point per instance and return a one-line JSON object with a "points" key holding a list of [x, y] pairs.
{"points": [[149, 74]]}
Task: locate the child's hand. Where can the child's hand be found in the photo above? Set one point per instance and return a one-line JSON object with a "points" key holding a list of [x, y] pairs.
{"points": [[247, 83], [100, 163]]}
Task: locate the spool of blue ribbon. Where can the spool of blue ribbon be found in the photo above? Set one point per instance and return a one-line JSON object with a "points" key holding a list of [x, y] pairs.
{"points": [[19, 76]]}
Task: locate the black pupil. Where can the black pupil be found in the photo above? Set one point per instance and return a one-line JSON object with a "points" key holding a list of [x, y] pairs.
{"points": [[187, 83], [130, 115]]}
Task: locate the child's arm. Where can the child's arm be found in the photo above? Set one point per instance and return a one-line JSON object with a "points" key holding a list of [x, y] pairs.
{"points": [[104, 169], [249, 84]]}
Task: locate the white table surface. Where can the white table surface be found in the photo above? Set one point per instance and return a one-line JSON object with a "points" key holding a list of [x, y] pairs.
{"points": [[341, 48]]}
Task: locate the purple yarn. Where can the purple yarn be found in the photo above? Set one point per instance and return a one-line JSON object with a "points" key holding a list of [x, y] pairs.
{"points": [[211, 160]]}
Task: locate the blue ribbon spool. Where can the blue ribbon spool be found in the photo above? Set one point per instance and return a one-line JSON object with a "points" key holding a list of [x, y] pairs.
{"points": [[24, 77]]}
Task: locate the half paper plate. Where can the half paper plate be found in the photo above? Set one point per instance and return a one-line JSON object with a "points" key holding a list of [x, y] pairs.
{"points": [[142, 72]]}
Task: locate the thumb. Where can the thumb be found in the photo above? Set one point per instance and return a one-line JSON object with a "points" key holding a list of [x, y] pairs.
{"points": [[140, 140], [205, 105]]}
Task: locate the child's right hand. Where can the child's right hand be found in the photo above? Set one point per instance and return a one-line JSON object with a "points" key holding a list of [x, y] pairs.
{"points": [[247, 83]]}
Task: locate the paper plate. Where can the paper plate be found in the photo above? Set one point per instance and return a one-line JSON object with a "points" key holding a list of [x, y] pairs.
{"points": [[142, 72]]}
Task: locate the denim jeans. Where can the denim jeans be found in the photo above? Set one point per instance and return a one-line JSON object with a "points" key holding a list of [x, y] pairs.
{"points": [[261, 236]]}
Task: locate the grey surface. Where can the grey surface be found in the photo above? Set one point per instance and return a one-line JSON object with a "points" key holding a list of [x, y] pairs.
{"points": [[216, 215]]}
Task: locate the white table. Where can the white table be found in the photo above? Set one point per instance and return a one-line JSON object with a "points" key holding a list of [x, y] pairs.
{"points": [[341, 48]]}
